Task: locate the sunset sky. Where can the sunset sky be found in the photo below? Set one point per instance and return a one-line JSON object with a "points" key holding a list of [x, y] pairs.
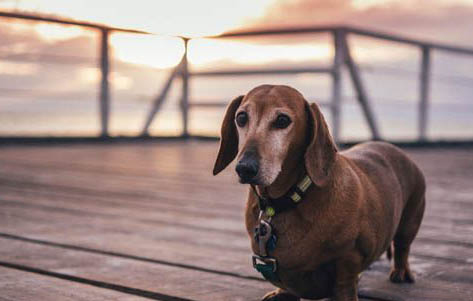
{"points": [[426, 19], [431, 18], [37, 55]]}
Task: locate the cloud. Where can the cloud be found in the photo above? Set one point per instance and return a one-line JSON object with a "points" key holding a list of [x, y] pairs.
{"points": [[446, 21], [32, 66]]}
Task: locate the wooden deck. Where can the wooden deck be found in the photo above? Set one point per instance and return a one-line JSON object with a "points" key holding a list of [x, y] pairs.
{"points": [[149, 221]]}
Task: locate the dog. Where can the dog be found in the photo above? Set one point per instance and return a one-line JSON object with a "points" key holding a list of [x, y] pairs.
{"points": [[352, 207]]}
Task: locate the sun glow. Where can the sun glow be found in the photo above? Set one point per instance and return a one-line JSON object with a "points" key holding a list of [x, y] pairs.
{"points": [[15, 68], [52, 32], [180, 17], [364, 4], [148, 50], [208, 51], [177, 17]]}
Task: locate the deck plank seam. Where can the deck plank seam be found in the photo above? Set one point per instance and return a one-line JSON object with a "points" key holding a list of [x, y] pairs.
{"points": [[96, 283], [127, 256]]}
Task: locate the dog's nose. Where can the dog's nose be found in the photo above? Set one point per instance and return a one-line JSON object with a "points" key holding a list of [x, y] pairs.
{"points": [[247, 169]]}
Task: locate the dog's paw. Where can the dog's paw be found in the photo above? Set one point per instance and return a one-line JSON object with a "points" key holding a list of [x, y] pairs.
{"points": [[279, 295], [401, 276]]}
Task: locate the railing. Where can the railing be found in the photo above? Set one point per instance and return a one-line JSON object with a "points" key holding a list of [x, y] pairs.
{"points": [[343, 58], [104, 55]]}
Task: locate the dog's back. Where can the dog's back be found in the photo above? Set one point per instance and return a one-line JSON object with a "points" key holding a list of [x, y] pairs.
{"points": [[384, 162]]}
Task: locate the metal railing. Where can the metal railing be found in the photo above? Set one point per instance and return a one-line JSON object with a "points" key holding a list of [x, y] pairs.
{"points": [[343, 58]]}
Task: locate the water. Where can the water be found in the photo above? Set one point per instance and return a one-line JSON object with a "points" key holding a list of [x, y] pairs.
{"points": [[397, 121]]}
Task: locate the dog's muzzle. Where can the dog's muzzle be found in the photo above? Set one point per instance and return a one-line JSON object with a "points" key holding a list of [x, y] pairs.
{"points": [[247, 168]]}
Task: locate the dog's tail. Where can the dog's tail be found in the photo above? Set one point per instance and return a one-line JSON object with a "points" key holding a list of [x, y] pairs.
{"points": [[389, 251]]}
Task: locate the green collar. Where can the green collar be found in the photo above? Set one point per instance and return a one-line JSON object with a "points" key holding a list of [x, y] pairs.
{"points": [[286, 202]]}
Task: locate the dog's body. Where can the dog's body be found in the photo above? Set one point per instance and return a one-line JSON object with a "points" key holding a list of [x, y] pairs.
{"points": [[356, 215], [362, 200]]}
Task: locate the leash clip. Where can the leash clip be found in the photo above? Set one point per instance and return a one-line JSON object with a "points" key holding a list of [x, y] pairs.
{"points": [[268, 264], [265, 231]]}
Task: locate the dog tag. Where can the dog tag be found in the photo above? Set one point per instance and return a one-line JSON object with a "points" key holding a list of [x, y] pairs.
{"points": [[256, 234], [264, 235], [271, 245]]}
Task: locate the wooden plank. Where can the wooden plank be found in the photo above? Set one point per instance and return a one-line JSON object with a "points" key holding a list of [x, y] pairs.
{"points": [[157, 216], [237, 199], [18, 285], [234, 198], [164, 211], [194, 247], [458, 213], [160, 279], [83, 183], [422, 290], [205, 240], [127, 237], [199, 286], [453, 213], [118, 161]]}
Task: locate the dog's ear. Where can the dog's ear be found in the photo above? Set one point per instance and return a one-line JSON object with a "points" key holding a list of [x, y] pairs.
{"points": [[321, 151], [228, 137]]}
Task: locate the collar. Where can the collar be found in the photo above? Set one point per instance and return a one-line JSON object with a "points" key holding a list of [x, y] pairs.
{"points": [[286, 202], [264, 232]]}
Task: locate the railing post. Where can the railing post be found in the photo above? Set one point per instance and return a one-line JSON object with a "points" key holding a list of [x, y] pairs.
{"points": [[424, 92], [159, 100], [104, 84], [362, 96], [336, 83], [185, 91]]}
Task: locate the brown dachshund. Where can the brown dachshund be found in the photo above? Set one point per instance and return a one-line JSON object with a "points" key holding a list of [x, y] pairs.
{"points": [[350, 208]]}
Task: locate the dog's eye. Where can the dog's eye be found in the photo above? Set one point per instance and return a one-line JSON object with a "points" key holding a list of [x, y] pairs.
{"points": [[241, 119], [282, 122]]}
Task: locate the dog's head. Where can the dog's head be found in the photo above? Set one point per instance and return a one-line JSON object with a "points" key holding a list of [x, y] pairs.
{"points": [[271, 130]]}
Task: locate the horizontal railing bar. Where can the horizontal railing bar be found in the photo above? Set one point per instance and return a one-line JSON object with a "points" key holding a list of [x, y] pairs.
{"points": [[220, 104], [67, 22], [277, 31], [212, 104], [348, 29], [400, 39], [260, 32], [230, 72]]}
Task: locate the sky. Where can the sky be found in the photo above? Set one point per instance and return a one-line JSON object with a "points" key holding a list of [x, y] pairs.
{"points": [[449, 20], [72, 51], [440, 20]]}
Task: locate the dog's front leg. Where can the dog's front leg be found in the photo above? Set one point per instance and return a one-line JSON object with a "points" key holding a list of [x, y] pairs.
{"points": [[347, 270], [280, 295]]}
